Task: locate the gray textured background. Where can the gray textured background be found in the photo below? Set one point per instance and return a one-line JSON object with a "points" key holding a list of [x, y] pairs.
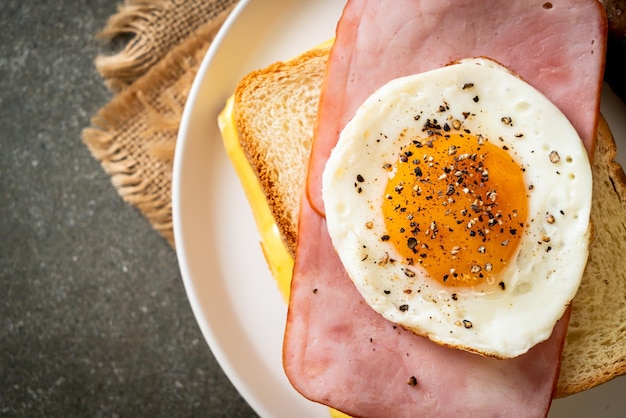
{"points": [[94, 320]]}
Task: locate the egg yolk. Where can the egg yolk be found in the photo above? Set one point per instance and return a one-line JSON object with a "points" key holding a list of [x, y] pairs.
{"points": [[456, 205]]}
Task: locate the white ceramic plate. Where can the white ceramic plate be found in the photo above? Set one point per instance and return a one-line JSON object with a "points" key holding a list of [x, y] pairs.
{"points": [[231, 292]]}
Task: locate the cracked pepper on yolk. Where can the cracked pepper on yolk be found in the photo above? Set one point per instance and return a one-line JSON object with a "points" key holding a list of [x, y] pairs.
{"points": [[456, 205]]}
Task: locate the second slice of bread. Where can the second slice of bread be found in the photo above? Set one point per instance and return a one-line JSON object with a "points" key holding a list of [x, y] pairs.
{"points": [[595, 347]]}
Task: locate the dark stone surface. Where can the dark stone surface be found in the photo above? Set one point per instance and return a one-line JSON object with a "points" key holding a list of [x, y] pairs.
{"points": [[94, 320]]}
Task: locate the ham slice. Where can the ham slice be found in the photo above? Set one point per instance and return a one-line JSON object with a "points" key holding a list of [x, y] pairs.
{"points": [[341, 353], [337, 350], [559, 48]]}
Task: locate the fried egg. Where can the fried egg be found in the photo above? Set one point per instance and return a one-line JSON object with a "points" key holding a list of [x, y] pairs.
{"points": [[458, 201]]}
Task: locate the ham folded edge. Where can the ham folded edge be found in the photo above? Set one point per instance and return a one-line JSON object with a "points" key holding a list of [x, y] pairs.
{"points": [[337, 350]]}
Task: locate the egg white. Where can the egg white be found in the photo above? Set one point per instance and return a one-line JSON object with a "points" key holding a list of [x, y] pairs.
{"points": [[541, 281]]}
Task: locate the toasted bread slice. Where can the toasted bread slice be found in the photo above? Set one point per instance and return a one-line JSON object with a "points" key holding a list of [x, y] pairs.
{"points": [[275, 109], [595, 347]]}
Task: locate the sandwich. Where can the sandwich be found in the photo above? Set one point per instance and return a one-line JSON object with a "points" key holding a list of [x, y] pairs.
{"points": [[268, 127]]}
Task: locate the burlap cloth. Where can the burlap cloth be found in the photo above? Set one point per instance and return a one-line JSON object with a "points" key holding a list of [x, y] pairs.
{"points": [[134, 135]]}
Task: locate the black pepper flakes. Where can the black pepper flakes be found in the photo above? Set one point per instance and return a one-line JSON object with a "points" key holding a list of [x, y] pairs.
{"points": [[403, 308], [431, 125], [554, 157], [412, 381], [409, 273], [467, 324]]}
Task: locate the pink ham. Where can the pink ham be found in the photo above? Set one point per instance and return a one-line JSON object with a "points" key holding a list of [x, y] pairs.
{"points": [[341, 353], [557, 47], [338, 351]]}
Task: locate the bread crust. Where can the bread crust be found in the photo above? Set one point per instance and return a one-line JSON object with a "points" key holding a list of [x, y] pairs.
{"points": [[275, 130], [594, 349]]}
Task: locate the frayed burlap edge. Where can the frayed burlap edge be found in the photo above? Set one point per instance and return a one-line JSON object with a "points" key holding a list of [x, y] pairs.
{"points": [[134, 136], [152, 27]]}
